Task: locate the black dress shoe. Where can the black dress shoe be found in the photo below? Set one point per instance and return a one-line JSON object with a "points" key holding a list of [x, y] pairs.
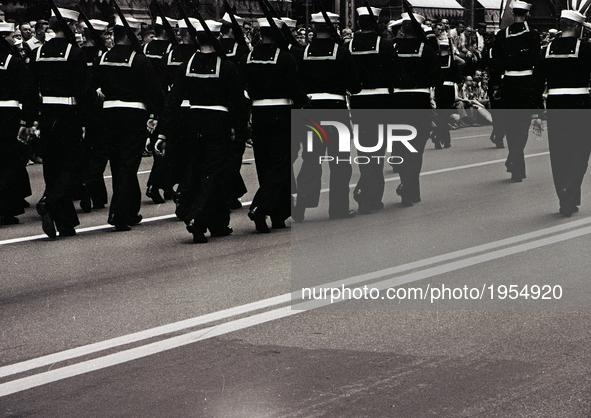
{"points": [[407, 201], [222, 232], [516, 177], [168, 194], [86, 204], [9, 220], [97, 206], [122, 227], [154, 194], [277, 223], [198, 234], [235, 204], [298, 213], [46, 220], [350, 214], [364, 209], [566, 203], [26, 204], [376, 206], [260, 221], [67, 233], [136, 219]]}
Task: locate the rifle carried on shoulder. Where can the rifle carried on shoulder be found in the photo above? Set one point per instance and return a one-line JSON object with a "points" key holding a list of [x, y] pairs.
{"points": [[415, 24], [284, 29], [96, 37], [167, 28], [130, 33], [71, 38], [190, 27], [335, 36], [282, 42], [214, 41], [238, 35], [374, 18]]}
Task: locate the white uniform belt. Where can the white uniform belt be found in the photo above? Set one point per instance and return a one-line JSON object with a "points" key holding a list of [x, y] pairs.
{"points": [[326, 96], [519, 73], [272, 102], [51, 100], [108, 104], [9, 103], [373, 92], [424, 90], [569, 90], [449, 83], [186, 103], [215, 107]]}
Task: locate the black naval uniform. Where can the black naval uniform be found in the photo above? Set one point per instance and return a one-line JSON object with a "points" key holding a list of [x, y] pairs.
{"points": [[16, 88], [176, 157], [327, 71], [94, 170], [272, 82], [516, 51], [61, 74], [445, 98], [132, 91], [417, 69], [565, 67], [216, 95], [234, 186], [159, 177], [373, 56]]}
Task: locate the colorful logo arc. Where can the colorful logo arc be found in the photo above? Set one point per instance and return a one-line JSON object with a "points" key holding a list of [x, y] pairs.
{"points": [[318, 127]]}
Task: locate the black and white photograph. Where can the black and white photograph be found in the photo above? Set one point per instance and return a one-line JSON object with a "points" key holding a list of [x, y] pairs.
{"points": [[295, 208]]}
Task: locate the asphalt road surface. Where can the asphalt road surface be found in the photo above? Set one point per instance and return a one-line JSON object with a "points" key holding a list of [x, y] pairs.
{"points": [[147, 324]]}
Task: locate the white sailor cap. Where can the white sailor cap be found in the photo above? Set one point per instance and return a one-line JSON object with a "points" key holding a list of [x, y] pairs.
{"points": [[228, 19], [133, 23], [318, 18], [211, 24], [68, 14], [98, 25], [553, 31], [183, 24], [172, 22], [290, 23], [6, 27], [518, 4], [573, 15], [362, 11], [394, 23], [264, 22], [420, 18]]}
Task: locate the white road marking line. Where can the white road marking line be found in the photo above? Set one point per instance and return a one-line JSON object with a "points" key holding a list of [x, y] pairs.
{"points": [[266, 303], [43, 378]]}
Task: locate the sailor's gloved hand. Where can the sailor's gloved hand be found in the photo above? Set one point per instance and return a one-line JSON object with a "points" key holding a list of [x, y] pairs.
{"points": [[160, 146]]}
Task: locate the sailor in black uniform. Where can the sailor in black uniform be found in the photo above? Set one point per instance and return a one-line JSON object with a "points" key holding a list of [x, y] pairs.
{"points": [[132, 92], [373, 56], [16, 89], [60, 71], [565, 67], [272, 82], [328, 73], [516, 51], [416, 70], [445, 94], [216, 94]]}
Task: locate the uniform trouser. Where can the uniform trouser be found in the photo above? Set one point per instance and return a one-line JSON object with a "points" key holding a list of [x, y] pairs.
{"points": [[160, 176], [123, 144], [370, 187], [61, 144], [418, 114], [444, 98], [570, 147], [271, 133], [208, 150], [234, 186], [517, 123], [11, 193], [96, 163], [310, 175]]}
